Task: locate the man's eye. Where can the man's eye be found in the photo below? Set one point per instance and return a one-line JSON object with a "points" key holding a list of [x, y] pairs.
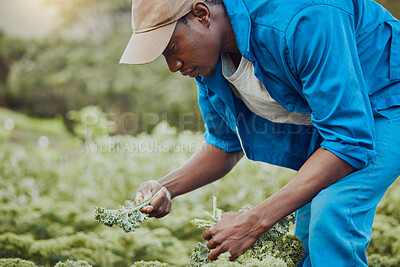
{"points": [[172, 49]]}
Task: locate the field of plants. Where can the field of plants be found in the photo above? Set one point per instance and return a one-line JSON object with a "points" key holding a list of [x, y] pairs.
{"points": [[55, 171], [51, 182]]}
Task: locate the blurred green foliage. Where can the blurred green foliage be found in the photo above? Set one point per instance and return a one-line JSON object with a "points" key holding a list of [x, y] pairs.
{"points": [[16, 262], [47, 78], [70, 263], [48, 195], [91, 122]]}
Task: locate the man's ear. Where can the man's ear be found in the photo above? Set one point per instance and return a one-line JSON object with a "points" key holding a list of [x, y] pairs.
{"points": [[201, 12]]}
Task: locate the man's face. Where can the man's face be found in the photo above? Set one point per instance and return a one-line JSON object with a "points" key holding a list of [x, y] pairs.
{"points": [[192, 50]]}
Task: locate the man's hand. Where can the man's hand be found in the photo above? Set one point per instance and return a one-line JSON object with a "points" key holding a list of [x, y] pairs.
{"points": [[161, 205], [235, 233]]}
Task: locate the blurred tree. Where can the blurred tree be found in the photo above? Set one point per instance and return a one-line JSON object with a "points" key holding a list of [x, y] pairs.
{"points": [[59, 74], [11, 50], [78, 66]]}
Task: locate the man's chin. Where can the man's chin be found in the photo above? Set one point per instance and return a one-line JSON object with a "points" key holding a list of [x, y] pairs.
{"points": [[209, 74]]}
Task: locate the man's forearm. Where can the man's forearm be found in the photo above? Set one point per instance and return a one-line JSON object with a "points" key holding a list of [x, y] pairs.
{"points": [[204, 167], [320, 171]]}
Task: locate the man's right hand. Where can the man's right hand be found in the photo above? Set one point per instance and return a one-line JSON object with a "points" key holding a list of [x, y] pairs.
{"points": [[161, 205]]}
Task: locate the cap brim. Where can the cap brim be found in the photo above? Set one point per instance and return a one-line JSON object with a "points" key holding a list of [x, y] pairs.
{"points": [[146, 47]]}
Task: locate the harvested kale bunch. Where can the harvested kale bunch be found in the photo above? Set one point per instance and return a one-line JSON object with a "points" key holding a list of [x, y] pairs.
{"points": [[128, 216]]}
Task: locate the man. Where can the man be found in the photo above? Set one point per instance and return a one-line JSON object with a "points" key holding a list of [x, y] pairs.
{"points": [[313, 85]]}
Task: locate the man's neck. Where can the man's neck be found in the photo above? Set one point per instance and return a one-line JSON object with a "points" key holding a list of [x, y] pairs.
{"points": [[229, 44]]}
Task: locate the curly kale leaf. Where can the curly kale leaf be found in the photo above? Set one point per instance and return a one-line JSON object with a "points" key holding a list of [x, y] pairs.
{"points": [[199, 255], [128, 216], [243, 261], [276, 247], [149, 264], [212, 218], [16, 262], [70, 263]]}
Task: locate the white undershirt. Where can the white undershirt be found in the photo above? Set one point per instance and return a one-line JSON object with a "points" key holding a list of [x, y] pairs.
{"points": [[252, 92]]}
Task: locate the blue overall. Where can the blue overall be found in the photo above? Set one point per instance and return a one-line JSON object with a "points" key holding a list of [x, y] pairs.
{"points": [[338, 60], [336, 226]]}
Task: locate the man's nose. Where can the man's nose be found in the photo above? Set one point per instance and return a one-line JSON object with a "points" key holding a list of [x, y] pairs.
{"points": [[174, 64]]}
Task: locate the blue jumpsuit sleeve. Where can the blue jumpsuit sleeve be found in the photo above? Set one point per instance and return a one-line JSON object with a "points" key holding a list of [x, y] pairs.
{"points": [[217, 132], [322, 52]]}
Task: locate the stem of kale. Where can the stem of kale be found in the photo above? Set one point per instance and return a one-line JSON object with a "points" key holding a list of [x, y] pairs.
{"points": [[147, 202]]}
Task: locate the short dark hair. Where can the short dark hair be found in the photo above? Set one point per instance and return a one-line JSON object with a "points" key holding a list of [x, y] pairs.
{"points": [[214, 2], [184, 19]]}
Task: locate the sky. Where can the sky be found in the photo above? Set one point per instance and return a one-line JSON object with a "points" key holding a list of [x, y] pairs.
{"points": [[27, 18]]}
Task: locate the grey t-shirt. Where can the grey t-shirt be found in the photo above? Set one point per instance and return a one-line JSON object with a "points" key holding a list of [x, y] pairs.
{"points": [[252, 92]]}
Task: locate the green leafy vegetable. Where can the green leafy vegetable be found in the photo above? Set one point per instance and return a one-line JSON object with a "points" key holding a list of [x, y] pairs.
{"points": [[267, 260], [276, 247], [15, 262], [128, 216], [70, 263], [47, 196], [149, 264]]}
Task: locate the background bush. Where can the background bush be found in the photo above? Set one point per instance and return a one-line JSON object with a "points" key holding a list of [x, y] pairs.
{"points": [[49, 77]]}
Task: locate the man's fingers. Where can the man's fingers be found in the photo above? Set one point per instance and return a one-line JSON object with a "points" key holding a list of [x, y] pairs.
{"points": [[142, 196], [158, 213], [160, 206], [147, 209], [159, 200], [206, 234], [236, 252], [213, 243], [213, 255], [163, 210], [168, 209], [147, 195], [139, 196]]}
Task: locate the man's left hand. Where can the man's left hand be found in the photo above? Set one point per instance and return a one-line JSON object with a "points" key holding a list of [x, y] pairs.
{"points": [[235, 233]]}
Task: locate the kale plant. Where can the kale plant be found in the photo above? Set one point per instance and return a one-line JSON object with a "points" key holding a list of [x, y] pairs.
{"points": [[128, 216], [70, 263], [276, 247], [149, 264], [16, 262]]}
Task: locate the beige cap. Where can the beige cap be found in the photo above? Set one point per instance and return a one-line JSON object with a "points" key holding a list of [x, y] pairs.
{"points": [[153, 23]]}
